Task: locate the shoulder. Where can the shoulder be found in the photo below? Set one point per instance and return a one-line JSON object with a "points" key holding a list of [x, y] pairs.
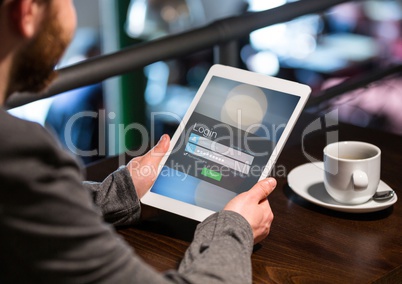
{"points": [[18, 135], [15, 132], [27, 147]]}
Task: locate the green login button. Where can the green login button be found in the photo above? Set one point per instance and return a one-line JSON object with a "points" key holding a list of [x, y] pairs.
{"points": [[211, 174]]}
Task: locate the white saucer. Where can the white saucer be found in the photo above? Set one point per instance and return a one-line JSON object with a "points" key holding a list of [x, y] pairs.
{"points": [[307, 181]]}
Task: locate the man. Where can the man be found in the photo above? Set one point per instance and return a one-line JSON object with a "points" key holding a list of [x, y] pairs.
{"points": [[50, 229]]}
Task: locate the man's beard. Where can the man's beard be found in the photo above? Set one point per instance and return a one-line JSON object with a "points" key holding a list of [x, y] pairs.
{"points": [[33, 66]]}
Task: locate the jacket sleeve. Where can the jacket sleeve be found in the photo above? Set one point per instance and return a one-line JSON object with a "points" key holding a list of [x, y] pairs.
{"points": [[220, 251], [116, 197]]}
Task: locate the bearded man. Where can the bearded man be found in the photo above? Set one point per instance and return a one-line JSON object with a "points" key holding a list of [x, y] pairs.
{"points": [[56, 229]]}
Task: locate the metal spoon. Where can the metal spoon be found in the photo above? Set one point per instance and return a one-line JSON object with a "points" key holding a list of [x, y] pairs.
{"points": [[383, 195]]}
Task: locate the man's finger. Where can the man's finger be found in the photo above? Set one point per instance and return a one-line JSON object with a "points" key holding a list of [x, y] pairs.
{"points": [[263, 188], [154, 156], [161, 148]]}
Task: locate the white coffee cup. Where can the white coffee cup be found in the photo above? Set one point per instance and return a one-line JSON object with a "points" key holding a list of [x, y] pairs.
{"points": [[352, 171]]}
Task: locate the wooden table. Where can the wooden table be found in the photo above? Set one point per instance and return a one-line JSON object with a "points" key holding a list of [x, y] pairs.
{"points": [[307, 243]]}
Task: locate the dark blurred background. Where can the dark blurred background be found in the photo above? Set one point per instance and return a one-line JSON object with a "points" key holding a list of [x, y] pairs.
{"points": [[318, 49]]}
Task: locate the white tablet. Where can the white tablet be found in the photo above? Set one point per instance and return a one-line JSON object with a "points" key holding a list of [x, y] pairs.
{"points": [[230, 138]]}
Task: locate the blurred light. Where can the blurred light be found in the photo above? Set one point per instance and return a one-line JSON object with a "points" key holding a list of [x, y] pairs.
{"points": [[35, 111], [258, 5], [169, 14], [305, 43], [269, 37], [158, 75], [295, 39], [155, 94], [387, 30], [136, 18], [246, 106], [383, 10], [264, 62]]}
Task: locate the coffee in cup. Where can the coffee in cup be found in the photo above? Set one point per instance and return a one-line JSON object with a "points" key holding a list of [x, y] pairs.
{"points": [[351, 171]]}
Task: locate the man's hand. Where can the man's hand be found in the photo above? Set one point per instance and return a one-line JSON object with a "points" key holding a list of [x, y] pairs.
{"points": [[144, 169], [253, 205]]}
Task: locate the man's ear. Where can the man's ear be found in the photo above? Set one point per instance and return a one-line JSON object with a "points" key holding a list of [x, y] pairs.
{"points": [[26, 16]]}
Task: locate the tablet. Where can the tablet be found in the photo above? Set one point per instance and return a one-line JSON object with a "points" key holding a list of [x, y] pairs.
{"points": [[229, 139]]}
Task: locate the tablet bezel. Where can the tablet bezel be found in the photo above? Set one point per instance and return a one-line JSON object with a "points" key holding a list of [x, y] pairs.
{"points": [[242, 76]]}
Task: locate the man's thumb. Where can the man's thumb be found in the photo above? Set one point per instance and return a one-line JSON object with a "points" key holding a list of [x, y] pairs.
{"points": [[162, 147], [263, 188]]}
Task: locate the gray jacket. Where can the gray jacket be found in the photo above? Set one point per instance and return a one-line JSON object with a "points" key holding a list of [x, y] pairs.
{"points": [[56, 229]]}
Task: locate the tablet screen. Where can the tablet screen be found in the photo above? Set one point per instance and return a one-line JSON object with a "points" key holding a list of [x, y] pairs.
{"points": [[226, 143]]}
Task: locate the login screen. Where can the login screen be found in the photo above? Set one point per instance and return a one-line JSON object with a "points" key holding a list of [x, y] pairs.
{"points": [[226, 143]]}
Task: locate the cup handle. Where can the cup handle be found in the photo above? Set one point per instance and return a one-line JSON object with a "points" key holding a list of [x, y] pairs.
{"points": [[360, 179]]}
